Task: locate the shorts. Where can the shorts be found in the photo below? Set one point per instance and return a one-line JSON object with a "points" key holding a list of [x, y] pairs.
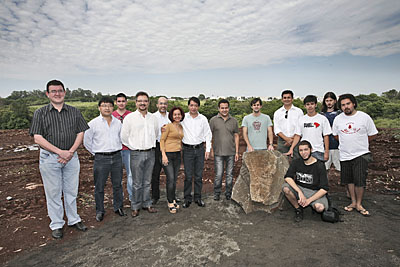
{"points": [[333, 158], [355, 171], [308, 193]]}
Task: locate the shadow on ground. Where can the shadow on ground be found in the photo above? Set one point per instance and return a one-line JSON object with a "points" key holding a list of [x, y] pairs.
{"points": [[221, 234]]}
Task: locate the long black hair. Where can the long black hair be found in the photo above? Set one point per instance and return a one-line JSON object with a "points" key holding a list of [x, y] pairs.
{"points": [[329, 95]]}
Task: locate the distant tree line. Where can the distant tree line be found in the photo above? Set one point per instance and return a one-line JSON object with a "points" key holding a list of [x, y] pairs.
{"points": [[16, 112]]}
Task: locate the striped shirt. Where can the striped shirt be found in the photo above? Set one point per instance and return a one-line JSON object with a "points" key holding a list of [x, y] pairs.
{"points": [[58, 128]]}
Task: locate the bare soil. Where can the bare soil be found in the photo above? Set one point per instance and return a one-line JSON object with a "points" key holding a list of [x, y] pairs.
{"points": [[24, 221]]}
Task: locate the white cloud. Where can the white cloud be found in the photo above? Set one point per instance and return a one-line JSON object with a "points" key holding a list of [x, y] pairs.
{"points": [[44, 38]]}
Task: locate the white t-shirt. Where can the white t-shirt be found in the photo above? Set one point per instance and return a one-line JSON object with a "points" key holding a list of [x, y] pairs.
{"points": [[313, 129], [353, 134]]}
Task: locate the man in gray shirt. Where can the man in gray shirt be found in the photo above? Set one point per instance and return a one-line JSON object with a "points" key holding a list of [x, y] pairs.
{"points": [[225, 145], [58, 129]]}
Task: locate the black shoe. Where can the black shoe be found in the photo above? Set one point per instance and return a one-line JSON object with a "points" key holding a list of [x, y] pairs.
{"points": [[200, 203], [228, 197], [120, 212], [99, 216], [80, 226], [216, 198], [154, 201], [178, 200], [57, 233], [186, 204], [298, 217]]}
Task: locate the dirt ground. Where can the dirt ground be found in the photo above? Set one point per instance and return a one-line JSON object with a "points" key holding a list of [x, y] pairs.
{"points": [[219, 234]]}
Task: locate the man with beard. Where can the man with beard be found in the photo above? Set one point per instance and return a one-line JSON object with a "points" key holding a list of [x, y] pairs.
{"points": [[330, 111], [306, 182], [139, 132], [225, 147], [162, 117], [257, 128], [354, 130]]}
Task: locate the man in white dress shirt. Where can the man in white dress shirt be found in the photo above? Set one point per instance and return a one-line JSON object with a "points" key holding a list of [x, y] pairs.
{"points": [[162, 117], [139, 133], [196, 132], [103, 141], [285, 121]]}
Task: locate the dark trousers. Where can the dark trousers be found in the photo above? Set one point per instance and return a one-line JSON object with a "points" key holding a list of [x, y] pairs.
{"points": [[155, 177], [193, 160], [171, 171], [103, 166]]}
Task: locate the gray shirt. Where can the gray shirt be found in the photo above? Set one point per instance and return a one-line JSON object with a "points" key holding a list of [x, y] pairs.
{"points": [[223, 135], [58, 128]]}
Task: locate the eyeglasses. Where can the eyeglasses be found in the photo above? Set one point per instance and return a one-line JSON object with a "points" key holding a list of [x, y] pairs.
{"points": [[106, 106], [121, 119], [53, 92], [286, 114]]}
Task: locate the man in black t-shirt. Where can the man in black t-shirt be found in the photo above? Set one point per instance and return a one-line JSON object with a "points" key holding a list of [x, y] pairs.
{"points": [[306, 182]]}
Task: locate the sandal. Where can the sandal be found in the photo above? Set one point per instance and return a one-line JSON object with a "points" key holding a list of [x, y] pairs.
{"points": [[364, 212], [176, 204], [349, 208], [172, 208]]}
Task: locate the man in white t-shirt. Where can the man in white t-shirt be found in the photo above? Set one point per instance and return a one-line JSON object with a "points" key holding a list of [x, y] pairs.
{"points": [[354, 130], [314, 128]]}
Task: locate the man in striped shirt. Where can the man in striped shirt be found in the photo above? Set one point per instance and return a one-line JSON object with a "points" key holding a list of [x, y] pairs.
{"points": [[58, 129]]}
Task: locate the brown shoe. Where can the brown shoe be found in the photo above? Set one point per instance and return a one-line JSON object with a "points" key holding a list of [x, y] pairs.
{"points": [[135, 213], [150, 210]]}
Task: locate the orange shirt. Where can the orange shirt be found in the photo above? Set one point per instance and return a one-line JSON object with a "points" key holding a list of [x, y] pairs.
{"points": [[171, 139]]}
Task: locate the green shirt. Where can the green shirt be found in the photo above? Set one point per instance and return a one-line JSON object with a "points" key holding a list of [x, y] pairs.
{"points": [[257, 130]]}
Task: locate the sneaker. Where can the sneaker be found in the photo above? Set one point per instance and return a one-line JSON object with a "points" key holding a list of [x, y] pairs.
{"points": [[298, 217], [216, 198]]}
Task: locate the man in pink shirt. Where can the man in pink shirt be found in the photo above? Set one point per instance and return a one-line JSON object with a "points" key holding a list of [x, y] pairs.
{"points": [[120, 113]]}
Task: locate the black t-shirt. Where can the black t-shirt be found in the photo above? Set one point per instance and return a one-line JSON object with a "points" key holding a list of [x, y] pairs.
{"points": [[309, 176]]}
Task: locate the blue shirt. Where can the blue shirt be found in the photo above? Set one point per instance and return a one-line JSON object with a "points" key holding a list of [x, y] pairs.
{"points": [[333, 144]]}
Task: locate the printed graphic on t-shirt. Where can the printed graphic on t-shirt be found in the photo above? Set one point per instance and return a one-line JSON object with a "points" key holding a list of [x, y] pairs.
{"points": [[304, 178], [350, 129], [257, 125], [311, 125]]}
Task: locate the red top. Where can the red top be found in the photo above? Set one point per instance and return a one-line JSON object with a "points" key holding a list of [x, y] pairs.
{"points": [[121, 118]]}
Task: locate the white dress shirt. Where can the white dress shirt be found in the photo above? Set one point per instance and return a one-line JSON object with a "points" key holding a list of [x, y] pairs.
{"points": [[101, 137], [287, 125], [196, 131], [138, 132], [162, 120]]}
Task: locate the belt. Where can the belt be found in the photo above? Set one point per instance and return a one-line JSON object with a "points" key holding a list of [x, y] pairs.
{"points": [[108, 153], [193, 146], [143, 150]]}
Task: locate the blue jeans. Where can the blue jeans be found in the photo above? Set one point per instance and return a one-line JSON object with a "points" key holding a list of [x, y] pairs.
{"points": [[193, 160], [219, 172], [142, 163], [318, 155], [60, 179], [126, 159], [171, 171], [103, 166]]}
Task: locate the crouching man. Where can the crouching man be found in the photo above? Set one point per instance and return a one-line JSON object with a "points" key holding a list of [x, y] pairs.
{"points": [[306, 182]]}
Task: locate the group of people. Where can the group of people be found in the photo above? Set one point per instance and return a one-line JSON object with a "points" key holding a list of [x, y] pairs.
{"points": [[144, 143]]}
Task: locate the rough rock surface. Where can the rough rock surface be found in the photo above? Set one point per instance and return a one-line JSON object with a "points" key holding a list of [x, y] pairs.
{"points": [[258, 186]]}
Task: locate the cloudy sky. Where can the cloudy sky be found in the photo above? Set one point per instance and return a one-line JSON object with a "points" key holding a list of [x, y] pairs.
{"points": [[188, 47]]}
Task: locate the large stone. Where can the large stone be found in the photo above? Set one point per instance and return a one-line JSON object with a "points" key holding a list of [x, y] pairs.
{"points": [[259, 185]]}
